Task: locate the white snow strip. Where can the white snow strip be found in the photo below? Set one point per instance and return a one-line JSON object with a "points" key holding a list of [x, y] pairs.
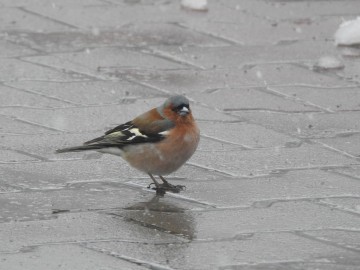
{"points": [[348, 33], [199, 5]]}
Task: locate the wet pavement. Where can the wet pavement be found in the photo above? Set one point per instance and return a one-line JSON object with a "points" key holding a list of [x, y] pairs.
{"points": [[275, 183]]}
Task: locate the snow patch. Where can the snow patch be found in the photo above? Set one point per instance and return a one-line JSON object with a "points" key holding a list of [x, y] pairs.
{"points": [[348, 33], [200, 5], [328, 62]]}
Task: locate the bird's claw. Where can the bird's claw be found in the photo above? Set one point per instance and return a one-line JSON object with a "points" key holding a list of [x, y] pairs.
{"points": [[179, 188], [149, 186], [162, 188]]}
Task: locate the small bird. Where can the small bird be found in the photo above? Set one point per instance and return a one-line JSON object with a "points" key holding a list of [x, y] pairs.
{"points": [[157, 142]]}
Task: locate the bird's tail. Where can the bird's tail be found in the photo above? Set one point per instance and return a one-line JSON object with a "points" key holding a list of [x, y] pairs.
{"points": [[80, 148]]}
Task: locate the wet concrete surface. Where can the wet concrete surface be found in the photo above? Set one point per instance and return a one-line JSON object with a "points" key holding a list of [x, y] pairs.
{"points": [[274, 183]]}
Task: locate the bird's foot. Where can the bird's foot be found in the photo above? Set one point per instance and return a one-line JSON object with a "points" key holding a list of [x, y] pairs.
{"points": [[162, 188], [173, 188], [159, 190]]}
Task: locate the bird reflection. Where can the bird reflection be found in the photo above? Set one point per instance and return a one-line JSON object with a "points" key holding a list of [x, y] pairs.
{"points": [[161, 214]]}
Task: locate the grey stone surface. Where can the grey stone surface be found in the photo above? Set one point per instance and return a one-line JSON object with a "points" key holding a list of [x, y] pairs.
{"points": [[246, 248], [249, 99], [334, 99], [294, 185], [274, 183], [306, 125], [63, 256], [246, 135], [89, 92]]}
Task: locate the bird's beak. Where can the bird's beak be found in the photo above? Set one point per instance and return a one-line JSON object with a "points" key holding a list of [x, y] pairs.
{"points": [[184, 111]]}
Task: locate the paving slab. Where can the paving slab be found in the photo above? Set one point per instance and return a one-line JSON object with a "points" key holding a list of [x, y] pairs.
{"points": [[253, 75], [93, 61], [347, 204], [138, 35], [353, 171], [338, 264], [9, 156], [11, 49], [291, 30], [67, 256], [334, 99], [77, 93], [19, 19], [307, 185], [43, 146], [265, 217], [23, 98], [113, 16], [18, 127], [302, 157], [54, 4], [248, 249], [289, 9], [348, 143], [251, 99], [76, 228], [15, 70], [235, 56], [347, 239], [351, 70], [43, 175], [243, 134], [305, 125], [46, 203]]}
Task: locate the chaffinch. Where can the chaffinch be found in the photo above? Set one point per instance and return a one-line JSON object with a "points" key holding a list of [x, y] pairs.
{"points": [[157, 142]]}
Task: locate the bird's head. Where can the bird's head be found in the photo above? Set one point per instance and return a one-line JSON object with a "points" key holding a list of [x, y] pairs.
{"points": [[176, 108]]}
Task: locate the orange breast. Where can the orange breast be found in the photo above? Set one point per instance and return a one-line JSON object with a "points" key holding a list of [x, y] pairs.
{"points": [[165, 156]]}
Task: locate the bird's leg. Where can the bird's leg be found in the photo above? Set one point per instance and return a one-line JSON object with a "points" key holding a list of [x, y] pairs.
{"points": [[170, 187], [156, 183], [164, 180], [159, 190], [165, 186]]}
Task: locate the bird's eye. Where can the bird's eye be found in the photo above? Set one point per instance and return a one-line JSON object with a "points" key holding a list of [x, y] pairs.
{"points": [[182, 107], [182, 110]]}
